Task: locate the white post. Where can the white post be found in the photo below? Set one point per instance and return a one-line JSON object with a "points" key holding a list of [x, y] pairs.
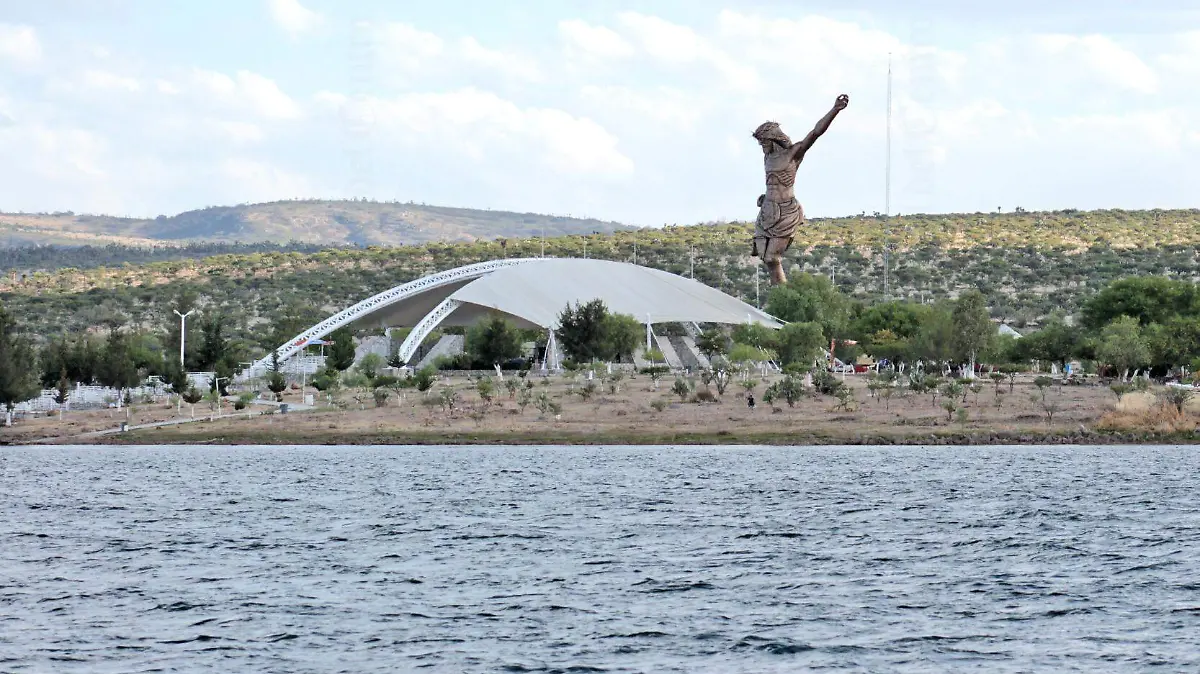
{"points": [[182, 334], [648, 333]]}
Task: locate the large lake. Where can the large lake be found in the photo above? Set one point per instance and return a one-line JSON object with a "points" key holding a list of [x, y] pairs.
{"points": [[589, 559]]}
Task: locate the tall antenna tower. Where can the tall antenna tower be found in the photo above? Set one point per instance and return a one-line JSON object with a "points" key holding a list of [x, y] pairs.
{"points": [[887, 191]]}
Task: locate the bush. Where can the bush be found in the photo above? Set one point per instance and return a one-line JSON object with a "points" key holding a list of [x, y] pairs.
{"points": [[381, 397], [1176, 397], [658, 405], [826, 384]]}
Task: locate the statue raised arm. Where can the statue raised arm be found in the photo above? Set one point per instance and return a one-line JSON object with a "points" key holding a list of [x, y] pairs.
{"points": [[779, 213]]}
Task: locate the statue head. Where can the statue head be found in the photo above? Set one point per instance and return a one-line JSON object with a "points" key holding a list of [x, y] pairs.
{"points": [[771, 137]]}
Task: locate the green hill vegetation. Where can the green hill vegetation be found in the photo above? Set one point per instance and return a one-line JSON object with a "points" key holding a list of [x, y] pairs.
{"points": [[1028, 266], [1113, 289], [325, 222]]}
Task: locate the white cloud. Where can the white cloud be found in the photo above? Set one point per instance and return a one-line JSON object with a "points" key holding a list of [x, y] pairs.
{"points": [[104, 80], [674, 44], [483, 127], [293, 17], [666, 105], [513, 65], [254, 180], [19, 44], [594, 42], [404, 47], [247, 90], [1104, 58]]}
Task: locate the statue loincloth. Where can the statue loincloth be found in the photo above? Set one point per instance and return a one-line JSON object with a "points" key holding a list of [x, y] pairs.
{"points": [[777, 221]]}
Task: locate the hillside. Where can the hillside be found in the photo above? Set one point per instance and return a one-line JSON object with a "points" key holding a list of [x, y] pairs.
{"points": [[330, 223], [1028, 265]]}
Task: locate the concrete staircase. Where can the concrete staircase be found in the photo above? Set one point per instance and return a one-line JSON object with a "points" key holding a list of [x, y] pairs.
{"points": [[448, 345], [668, 351], [688, 345], [377, 344]]}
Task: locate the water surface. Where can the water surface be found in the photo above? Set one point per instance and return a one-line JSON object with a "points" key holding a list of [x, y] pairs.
{"points": [[583, 559]]}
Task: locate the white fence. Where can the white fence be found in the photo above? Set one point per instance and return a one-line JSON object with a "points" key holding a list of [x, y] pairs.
{"points": [[99, 397], [88, 397]]}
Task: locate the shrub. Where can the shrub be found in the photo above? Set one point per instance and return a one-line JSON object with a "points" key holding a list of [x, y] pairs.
{"points": [[381, 397]]}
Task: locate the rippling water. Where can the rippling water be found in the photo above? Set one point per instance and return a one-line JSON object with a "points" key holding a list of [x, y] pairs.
{"points": [[587, 559]]}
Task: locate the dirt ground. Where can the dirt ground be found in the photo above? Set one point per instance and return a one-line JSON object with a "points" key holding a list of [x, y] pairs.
{"points": [[624, 416]]}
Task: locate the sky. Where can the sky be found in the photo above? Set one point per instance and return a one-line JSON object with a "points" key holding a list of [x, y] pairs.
{"points": [[639, 112]]}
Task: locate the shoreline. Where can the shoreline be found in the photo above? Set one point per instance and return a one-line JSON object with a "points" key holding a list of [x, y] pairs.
{"points": [[551, 437]]}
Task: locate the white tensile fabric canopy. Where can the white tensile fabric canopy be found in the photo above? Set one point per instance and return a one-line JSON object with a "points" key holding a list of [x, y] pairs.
{"points": [[538, 290]]}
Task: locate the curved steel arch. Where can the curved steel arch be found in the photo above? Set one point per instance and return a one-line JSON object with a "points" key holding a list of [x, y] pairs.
{"points": [[377, 302]]}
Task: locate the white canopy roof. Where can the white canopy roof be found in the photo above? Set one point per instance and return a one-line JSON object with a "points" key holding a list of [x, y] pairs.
{"points": [[539, 289]]}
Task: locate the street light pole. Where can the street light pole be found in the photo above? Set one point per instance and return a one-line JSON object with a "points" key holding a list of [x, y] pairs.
{"points": [[182, 334]]}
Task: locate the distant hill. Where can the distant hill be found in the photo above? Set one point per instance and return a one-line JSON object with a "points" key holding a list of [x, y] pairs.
{"points": [[331, 223]]}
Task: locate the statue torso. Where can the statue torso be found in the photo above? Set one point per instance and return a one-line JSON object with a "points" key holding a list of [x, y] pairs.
{"points": [[781, 176]]}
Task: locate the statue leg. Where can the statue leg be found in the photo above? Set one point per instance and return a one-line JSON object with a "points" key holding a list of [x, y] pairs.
{"points": [[773, 258]]}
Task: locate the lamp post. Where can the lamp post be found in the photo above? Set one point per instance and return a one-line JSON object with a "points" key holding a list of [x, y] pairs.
{"points": [[182, 334], [218, 381]]}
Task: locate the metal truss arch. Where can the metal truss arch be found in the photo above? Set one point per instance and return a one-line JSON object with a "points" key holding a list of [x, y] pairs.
{"points": [[380, 301], [426, 326]]}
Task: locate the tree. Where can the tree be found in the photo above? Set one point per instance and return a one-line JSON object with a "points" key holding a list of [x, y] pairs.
{"points": [[754, 334], [214, 346], [1147, 299], [935, 340], [808, 298], [325, 380], [276, 382], [424, 378], [800, 343], [341, 351], [493, 341], [900, 321], [622, 335], [1123, 346], [581, 331], [53, 360], [369, 366], [62, 392], [117, 369], [175, 377], [1174, 343], [191, 397], [18, 366], [713, 342], [973, 329], [1056, 342]]}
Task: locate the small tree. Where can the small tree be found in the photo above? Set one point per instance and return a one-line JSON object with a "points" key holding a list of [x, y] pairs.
{"points": [[423, 379], [325, 381], [369, 366], [341, 351], [1176, 397], [381, 397], [191, 397], [950, 404], [681, 388], [713, 342], [1120, 390], [493, 341], [485, 388], [62, 392], [791, 389]]}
